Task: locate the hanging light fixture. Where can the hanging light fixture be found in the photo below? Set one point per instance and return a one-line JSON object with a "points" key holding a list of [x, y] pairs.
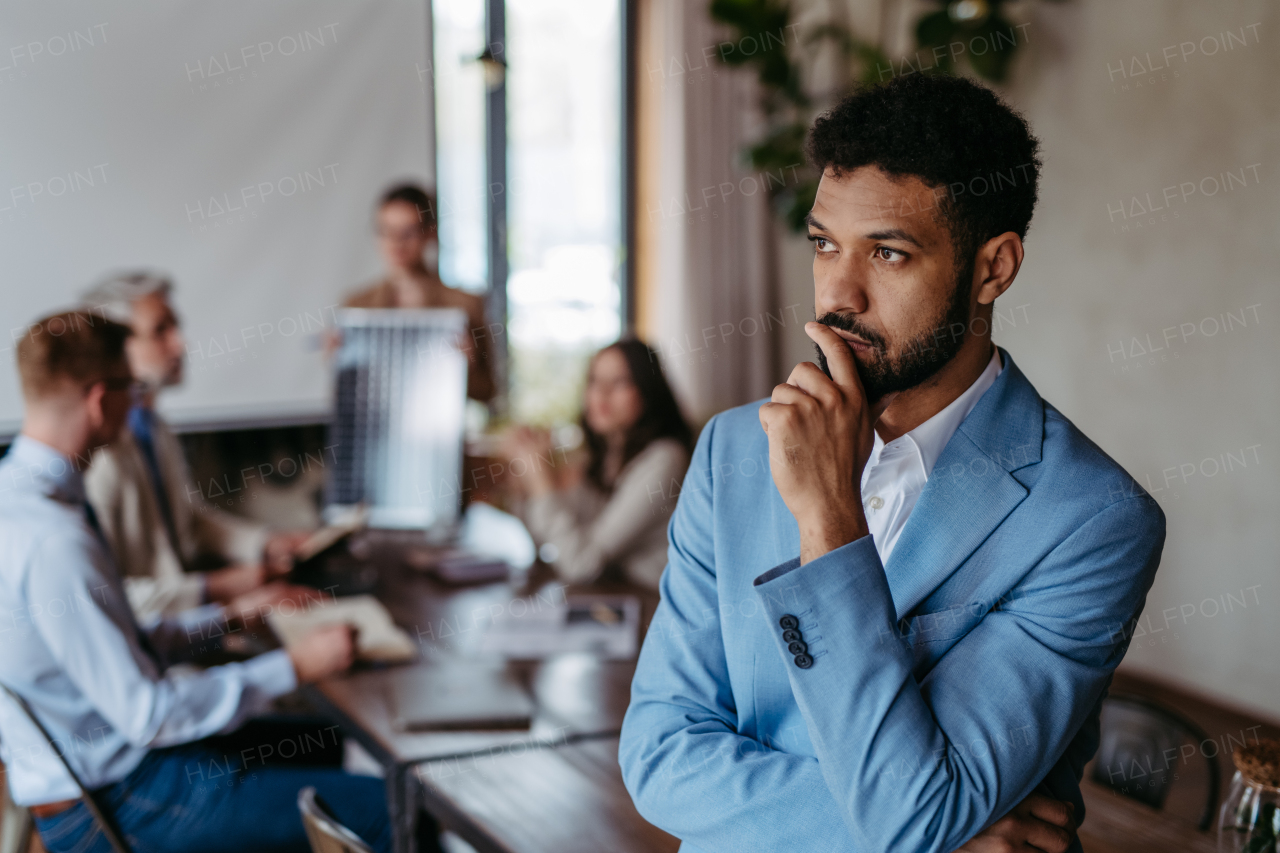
{"points": [[495, 70], [968, 11]]}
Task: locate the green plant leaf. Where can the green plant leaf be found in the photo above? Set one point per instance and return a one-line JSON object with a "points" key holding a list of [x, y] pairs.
{"points": [[1001, 42], [1260, 845], [797, 205], [760, 39], [935, 28]]}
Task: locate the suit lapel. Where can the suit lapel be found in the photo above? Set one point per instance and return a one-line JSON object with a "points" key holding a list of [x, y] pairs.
{"points": [[971, 490], [953, 516]]}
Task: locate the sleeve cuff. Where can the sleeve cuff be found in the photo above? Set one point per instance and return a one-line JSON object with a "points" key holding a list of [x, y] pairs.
{"points": [[854, 551], [816, 608], [271, 673], [203, 614]]}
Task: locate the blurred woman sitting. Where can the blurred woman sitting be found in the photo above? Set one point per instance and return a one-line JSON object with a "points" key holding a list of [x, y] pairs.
{"points": [[607, 518]]}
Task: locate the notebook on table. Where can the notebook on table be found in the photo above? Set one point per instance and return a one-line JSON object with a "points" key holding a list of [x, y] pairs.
{"points": [[378, 639], [458, 696]]}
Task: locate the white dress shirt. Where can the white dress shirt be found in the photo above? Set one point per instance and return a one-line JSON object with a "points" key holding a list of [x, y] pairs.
{"points": [[896, 472], [70, 646]]}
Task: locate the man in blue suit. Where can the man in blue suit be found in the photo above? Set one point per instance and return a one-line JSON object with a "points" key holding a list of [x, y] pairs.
{"points": [[900, 639]]}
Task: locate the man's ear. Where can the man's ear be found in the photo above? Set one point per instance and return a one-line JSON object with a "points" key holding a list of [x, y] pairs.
{"points": [[996, 266], [93, 399]]}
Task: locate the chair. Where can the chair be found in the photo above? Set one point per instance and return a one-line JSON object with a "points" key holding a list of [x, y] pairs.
{"points": [[323, 830], [109, 829], [1137, 737], [16, 824]]}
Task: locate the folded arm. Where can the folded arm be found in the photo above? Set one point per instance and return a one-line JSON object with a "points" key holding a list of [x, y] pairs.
{"points": [[925, 765]]}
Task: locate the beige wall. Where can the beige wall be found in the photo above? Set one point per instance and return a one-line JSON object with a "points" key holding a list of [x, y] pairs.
{"points": [[1197, 417]]}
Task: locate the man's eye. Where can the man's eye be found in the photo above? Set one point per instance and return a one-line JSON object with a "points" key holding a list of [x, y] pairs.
{"points": [[821, 244], [884, 253]]}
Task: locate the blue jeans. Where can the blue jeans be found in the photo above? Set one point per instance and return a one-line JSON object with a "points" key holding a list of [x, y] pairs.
{"points": [[198, 798]]}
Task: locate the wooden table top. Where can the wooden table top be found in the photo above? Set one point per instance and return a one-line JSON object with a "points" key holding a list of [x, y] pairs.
{"points": [[1117, 824], [572, 799], [564, 800], [575, 694]]}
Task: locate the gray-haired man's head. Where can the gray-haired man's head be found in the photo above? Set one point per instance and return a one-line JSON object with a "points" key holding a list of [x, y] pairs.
{"points": [[113, 296], [140, 300]]}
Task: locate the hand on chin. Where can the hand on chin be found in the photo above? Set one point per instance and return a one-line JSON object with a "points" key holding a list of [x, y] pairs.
{"points": [[821, 431]]}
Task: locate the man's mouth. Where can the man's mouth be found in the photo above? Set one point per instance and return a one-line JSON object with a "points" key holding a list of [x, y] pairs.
{"points": [[855, 343]]}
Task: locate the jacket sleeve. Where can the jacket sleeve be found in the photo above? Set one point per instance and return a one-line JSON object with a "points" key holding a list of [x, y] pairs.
{"points": [[686, 766], [157, 597], [214, 531], [925, 765], [237, 540], [153, 591]]}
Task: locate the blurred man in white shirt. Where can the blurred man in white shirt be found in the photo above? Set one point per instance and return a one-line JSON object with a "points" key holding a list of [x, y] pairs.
{"points": [[98, 683]]}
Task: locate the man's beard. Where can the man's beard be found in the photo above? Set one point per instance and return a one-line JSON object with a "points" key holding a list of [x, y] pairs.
{"points": [[918, 358]]}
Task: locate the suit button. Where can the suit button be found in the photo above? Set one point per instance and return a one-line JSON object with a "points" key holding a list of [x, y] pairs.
{"points": [[789, 622], [797, 648], [804, 661], [791, 636]]}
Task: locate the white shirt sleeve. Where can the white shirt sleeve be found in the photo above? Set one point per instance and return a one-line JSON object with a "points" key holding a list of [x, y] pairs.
{"points": [[99, 647]]}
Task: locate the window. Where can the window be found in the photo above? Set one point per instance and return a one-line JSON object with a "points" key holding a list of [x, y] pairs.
{"points": [[458, 26], [563, 196]]}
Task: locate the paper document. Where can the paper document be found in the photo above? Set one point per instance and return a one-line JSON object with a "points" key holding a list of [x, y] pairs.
{"points": [[377, 640], [543, 625]]}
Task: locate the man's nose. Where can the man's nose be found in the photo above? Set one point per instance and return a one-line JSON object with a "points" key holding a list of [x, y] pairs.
{"points": [[842, 290]]}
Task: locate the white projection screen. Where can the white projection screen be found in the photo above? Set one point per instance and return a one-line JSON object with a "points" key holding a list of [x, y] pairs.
{"points": [[237, 146]]}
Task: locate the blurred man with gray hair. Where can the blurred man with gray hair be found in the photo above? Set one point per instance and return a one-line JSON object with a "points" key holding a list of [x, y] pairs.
{"points": [[156, 521]]}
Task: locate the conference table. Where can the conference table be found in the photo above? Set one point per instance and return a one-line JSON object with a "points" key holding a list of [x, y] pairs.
{"points": [[564, 800], [557, 786], [579, 697]]}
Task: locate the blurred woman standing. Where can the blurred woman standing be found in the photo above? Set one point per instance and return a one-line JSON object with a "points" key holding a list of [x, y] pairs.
{"points": [[409, 243]]}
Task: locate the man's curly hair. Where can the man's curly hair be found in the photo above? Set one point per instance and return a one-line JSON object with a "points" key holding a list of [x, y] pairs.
{"points": [[959, 138]]}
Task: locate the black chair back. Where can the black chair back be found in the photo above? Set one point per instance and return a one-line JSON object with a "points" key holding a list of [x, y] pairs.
{"points": [[105, 823], [1141, 747]]}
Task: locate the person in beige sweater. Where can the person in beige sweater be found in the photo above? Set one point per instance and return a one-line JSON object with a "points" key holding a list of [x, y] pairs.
{"points": [[607, 518], [407, 235], [155, 520]]}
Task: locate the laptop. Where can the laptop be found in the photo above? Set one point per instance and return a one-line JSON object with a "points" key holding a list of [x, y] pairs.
{"points": [[458, 696]]}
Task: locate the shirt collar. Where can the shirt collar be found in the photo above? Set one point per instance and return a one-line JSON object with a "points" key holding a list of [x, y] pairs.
{"points": [[930, 438], [34, 465]]}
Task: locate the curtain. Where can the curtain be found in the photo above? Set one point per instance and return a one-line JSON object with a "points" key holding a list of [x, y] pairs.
{"points": [[707, 295]]}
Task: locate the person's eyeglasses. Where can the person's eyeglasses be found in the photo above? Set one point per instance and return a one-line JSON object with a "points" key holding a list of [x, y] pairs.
{"points": [[402, 235], [123, 383]]}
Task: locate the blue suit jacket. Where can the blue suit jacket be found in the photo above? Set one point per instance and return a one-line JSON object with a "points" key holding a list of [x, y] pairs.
{"points": [[943, 687]]}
